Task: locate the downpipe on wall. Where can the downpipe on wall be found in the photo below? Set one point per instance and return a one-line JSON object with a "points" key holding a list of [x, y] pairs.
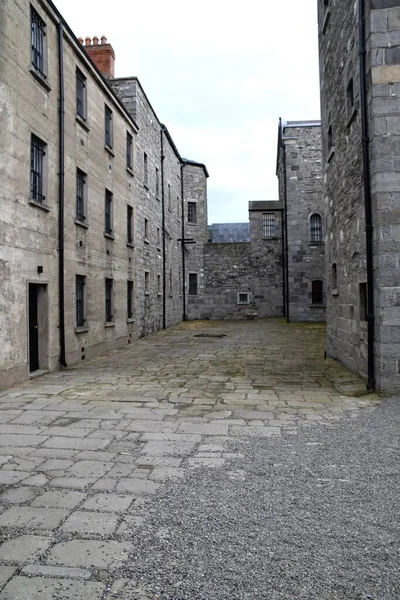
{"points": [[61, 111], [163, 225], [286, 253], [183, 248], [371, 383]]}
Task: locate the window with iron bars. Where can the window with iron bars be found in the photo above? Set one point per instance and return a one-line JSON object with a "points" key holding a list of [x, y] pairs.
{"points": [[80, 195], [108, 126], [130, 299], [129, 150], [130, 224], [193, 287], [109, 300], [38, 36], [268, 225], [108, 212], [38, 153], [192, 212], [317, 292], [80, 94], [80, 300], [315, 229]]}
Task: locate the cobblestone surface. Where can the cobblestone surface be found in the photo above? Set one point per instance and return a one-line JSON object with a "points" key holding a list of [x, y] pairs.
{"points": [[85, 451]]}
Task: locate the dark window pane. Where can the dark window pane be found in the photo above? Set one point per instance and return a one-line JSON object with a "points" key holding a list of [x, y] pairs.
{"points": [[109, 289], [317, 292], [80, 195], [316, 229], [193, 291], [129, 150], [37, 165], [130, 224], [268, 225], [80, 94], [108, 212], [38, 33], [80, 301], [108, 127], [192, 212], [130, 299]]}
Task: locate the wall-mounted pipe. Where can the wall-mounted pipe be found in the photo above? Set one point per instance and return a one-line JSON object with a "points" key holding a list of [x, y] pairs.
{"points": [[61, 113], [164, 284], [286, 251], [367, 196], [183, 248]]}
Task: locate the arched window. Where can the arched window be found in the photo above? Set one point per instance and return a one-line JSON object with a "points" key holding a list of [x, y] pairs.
{"points": [[317, 292], [316, 229]]}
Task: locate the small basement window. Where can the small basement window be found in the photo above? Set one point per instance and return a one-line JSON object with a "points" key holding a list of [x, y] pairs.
{"points": [[243, 298]]}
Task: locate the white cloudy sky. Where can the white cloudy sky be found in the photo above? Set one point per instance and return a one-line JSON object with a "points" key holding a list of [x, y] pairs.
{"points": [[219, 74]]}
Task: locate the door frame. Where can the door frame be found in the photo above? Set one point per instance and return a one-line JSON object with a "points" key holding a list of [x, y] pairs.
{"points": [[42, 288]]}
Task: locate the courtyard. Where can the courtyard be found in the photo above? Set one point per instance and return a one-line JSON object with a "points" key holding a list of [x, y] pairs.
{"points": [[211, 460]]}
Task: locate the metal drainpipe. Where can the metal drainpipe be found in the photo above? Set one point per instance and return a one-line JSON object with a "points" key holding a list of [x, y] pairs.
{"points": [[183, 248], [61, 196], [367, 197], [163, 226], [286, 257], [283, 262]]}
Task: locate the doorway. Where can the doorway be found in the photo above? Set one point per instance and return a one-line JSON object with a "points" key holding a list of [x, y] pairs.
{"points": [[38, 326]]}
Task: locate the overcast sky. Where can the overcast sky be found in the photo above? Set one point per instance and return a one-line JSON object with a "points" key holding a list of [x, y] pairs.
{"points": [[219, 74]]}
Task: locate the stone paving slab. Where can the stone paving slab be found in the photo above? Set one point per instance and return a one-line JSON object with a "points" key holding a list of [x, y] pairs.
{"points": [[84, 451]]}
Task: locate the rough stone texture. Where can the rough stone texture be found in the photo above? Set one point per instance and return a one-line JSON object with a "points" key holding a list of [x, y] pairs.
{"points": [[299, 170], [344, 189]]}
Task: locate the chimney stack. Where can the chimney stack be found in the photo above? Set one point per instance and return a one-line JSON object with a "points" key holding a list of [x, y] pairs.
{"points": [[102, 55]]}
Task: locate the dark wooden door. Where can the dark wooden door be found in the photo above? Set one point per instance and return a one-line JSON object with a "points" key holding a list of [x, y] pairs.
{"points": [[33, 328]]}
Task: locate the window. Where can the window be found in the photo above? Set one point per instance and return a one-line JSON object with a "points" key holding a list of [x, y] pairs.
{"points": [[130, 299], [193, 287], [108, 212], [350, 96], [81, 98], [146, 282], [158, 237], [363, 302], [192, 212], [243, 298], [130, 224], [268, 225], [108, 127], [80, 300], [159, 285], [170, 282], [38, 153], [330, 138], [334, 278], [80, 196], [109, 300], [317, 292], [146, 229], [316, 229], [157, 182], [178, 207], [146, 169], [169, 197], [129, 150], [38, 42]]}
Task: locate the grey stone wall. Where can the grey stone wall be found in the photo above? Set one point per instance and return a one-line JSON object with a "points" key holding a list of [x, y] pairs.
{"points": [[344, 189], [303, 186]]}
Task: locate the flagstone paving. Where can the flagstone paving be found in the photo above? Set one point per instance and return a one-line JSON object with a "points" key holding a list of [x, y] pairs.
{"points": [[83, 450]]}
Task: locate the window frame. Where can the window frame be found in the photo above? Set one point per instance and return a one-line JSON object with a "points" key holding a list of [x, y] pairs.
{"points": [[146, 170], [129, 299], [108, 213], [109, 300], [129, 151], [81, 94], [190, 284], [147, 283], [38, 176], [192, 213], [169, 197], [316, 229], [108, 127], [317, 292], [268, 225], [157, 183], [81, 177], [129, 224], [80, 301], [38, 43], [146, 229], [242, 301]]}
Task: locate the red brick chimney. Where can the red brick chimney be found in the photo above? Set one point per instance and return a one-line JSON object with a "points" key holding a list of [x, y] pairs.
{"points": [[102, 55]]}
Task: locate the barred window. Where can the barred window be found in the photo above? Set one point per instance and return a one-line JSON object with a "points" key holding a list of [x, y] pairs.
{"points": [[157, 182], [109, 300], [80, 195], [130, 299], [38, 153], [268, 225], [129, 150], [146, 229], [108, 212], [193, 286], [80, 94], [146, 282], [317, 292], [38, 41], [169, 197], [243, 298], [129, 224], [170, 283], [192, 212], [146, 169], [108, 126], [80, 300], [315, 229]]}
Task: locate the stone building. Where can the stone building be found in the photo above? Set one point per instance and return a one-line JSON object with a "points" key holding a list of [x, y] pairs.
{"points": [[359, 48], [299, 171]]}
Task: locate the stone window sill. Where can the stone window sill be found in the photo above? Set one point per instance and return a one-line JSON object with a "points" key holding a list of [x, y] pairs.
{"points": [[110, 236], [363, 325], [311, 244], [109, 324], [109, 150], [82, 122], [158, 249], [351, 118], [146, 241], [272, 237], [335, 292], [147, 293], [146, 187], [317, 306], [40, 78], [192, 224], [158, 198], [39, 205], [81, 224], [331, 154], [83, 329], [130, 171], [130, 320]]}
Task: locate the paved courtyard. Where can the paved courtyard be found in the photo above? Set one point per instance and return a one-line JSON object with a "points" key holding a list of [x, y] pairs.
{"points": [[89, 453]]}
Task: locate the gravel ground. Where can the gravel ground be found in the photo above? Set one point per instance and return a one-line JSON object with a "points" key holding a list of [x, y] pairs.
{"points": [[312, 516]]}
